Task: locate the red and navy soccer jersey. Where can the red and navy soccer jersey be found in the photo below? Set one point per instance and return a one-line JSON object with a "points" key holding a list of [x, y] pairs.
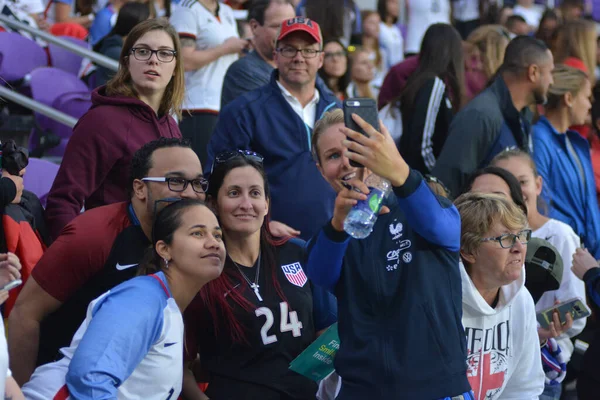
{"points": [[98, 250], [277, 331]]}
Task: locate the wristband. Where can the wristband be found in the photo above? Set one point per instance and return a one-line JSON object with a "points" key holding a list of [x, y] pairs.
{"points": [[91, 17]]}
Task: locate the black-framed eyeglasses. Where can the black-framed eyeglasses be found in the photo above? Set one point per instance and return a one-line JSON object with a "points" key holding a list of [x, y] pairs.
{"points": [[144, 54], [226, 156], [177, 184], [508, 240], [290, 52]]}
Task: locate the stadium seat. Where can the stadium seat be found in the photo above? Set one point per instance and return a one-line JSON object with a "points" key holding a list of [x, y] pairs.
{"points": [[39, 177], [64, 59], [19, 56], [64, 92]]}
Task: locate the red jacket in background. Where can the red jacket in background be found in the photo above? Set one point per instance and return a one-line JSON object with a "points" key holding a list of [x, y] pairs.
{"points": [[396, 79], [96, 166]]}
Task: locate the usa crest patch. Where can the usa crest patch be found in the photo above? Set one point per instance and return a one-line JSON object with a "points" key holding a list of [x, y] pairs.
{"points": [[295, 274]]}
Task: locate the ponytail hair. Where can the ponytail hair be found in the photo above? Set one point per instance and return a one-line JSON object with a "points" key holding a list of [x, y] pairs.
{"points": [[166, 222]]}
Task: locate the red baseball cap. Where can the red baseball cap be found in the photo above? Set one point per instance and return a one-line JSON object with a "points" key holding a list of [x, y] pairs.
{"points": [[300, 24]]}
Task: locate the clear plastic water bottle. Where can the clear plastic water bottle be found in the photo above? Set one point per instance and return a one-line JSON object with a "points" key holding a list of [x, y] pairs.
{"points": [[361, 219]]}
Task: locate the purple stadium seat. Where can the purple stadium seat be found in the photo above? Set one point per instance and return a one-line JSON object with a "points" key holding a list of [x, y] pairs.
{"points": [[64, 92], [39, 177], [19, 56], [64, 59]]}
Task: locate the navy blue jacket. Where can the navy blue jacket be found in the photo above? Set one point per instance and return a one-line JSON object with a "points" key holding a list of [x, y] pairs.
{"points": [[487, 125], [263, 121], [399, 300]]}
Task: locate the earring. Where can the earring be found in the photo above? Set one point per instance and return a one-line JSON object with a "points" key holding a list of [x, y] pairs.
{"points": [[166, 263]]}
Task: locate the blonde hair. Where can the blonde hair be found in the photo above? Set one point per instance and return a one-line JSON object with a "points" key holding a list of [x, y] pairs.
{"points": [[489, 43], [351, 60], [507, 154], [577, 39], [327, 121], [566, 80], [122, 85], [479, 212], [378, 57]]}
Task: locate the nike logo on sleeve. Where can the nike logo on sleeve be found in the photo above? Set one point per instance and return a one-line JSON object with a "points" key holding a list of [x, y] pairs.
{"points": [[123, 267]]}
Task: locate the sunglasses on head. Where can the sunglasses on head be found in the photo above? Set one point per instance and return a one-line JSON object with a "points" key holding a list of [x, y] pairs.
{"points": [[227, 156]]}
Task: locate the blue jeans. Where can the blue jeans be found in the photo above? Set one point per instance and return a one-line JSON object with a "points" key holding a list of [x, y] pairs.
{"points": [[551, 392]]}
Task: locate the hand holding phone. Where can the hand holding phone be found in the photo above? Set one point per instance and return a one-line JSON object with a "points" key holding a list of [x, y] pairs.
{"points": [[575, 307], [366, 109], [372, 146]]}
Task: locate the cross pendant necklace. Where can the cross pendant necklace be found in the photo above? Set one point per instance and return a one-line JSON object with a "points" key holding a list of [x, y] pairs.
{"points": [[253, 285]]}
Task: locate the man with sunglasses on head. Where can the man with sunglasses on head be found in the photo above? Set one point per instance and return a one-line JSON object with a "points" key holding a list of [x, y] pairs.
{"points": [[97, 251], [276, 120]]}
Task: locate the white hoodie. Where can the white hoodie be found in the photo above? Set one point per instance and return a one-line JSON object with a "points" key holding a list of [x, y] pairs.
{"points": [[562, 236], [504, 361]]}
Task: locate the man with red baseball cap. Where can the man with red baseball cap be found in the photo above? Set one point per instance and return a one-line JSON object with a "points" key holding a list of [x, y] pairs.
{"points": [[276, 120]]}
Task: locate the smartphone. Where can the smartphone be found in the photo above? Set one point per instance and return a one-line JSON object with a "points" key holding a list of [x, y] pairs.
{"points": [[366, 109], [575, 307], [12, 284]]}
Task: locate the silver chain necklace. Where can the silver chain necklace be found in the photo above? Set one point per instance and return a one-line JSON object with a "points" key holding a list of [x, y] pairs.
{"points": [[254, 285]]}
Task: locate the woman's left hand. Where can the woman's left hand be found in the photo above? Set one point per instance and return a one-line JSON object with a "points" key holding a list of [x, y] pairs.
{"points": [[376, 151], [556, 327]]}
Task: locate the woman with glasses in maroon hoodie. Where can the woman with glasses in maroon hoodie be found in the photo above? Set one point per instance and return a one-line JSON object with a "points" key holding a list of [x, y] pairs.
{"points": [[131, 110]]}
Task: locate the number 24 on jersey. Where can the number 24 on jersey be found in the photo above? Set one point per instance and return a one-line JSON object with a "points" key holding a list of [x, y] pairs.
{"points": [[289, 322]]}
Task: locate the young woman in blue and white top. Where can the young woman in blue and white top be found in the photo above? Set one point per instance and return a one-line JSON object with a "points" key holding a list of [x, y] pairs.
{"points": [[130, 345]]}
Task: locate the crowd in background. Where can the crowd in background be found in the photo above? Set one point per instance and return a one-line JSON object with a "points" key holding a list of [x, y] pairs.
{"points": [[193, 241]]}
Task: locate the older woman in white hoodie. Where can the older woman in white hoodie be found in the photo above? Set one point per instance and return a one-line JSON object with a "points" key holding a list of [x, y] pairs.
{"points": [[498, 312]]}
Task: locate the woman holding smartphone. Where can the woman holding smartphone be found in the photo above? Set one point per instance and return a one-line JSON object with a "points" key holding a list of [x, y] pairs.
{"points": [[406, 268], [498, 313], [561, 236]]}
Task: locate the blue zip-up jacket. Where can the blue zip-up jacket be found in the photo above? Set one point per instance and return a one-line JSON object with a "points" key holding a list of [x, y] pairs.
{"points": [[399, 300], [571, 200], [263, 121], [487, 125]]}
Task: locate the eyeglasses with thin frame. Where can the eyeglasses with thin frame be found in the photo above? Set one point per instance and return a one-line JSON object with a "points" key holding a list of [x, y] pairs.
{"points": [[144, 54], [227, 156], [290, 52], [508, 240], [177, 184]]}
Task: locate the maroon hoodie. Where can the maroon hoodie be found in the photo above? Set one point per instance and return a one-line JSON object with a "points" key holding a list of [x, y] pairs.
{"points": [[396, 79], [96, 166]]}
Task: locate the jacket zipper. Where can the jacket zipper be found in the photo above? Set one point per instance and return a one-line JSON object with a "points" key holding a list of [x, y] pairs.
{"points": [[384, 338]]}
